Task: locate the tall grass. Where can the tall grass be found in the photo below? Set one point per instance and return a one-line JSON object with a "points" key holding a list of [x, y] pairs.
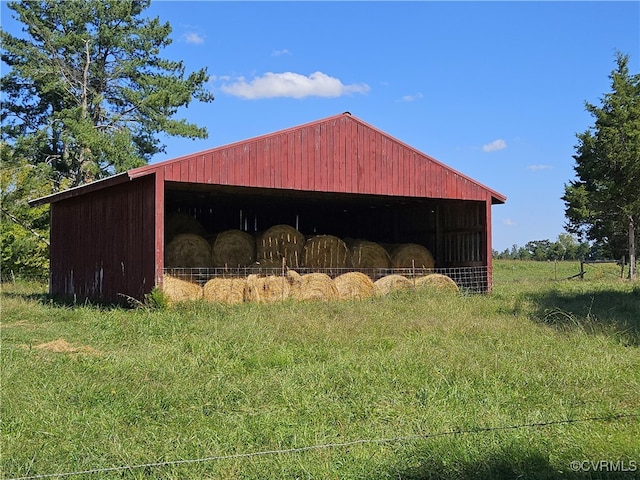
{"points": [[86, 388]]}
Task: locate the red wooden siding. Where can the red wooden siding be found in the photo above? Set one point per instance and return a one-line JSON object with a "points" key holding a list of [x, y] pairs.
{"points": [[102, 243], [338, 154]]}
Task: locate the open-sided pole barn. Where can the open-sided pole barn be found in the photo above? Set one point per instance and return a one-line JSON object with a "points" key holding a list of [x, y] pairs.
{"points": [[338, 176]]}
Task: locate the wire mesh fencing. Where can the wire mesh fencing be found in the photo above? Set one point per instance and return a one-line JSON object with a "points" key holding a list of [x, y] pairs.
{"points": [[468, 279]]}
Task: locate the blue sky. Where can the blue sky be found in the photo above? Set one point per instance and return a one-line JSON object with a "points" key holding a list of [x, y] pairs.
{"points": [[495, 90]]}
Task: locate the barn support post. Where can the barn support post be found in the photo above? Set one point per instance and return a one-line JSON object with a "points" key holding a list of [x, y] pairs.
{"points": [[159, 226], [487, 242]]}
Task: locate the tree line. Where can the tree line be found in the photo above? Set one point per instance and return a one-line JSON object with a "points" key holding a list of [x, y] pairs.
{"points": [[566, 247]]}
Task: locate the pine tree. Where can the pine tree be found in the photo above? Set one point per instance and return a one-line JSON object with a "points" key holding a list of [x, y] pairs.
{"points": [[603, 202], [87, 91]]}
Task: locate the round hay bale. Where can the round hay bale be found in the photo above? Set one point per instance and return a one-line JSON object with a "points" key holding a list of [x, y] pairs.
{"points": [[224, 290], [233, 248], [325, 251], [177, 222], [315, 286], [391, 283], [177, 290], [188, 250], [278, 242], [366, 254], [438, 282], [354, 285], [267, 289], [408, 255]]}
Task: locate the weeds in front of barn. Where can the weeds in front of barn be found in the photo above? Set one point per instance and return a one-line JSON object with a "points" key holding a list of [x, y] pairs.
{"points": [[411, 385]]}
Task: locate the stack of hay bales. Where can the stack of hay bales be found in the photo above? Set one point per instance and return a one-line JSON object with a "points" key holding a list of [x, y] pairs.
{"points": [[437, 281], [354, 285], [188, 250], [225, 290], [177, 223], [278, 242], [325, 251], [391, 283], [177, 290], [315, 286], [233, 248], [409, 255], [366, 254]]}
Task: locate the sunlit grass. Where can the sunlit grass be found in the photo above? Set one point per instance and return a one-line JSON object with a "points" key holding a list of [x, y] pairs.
{"points": [[86, 388]]}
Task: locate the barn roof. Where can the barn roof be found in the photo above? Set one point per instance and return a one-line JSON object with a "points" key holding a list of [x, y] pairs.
{"points": [[339, 154]]}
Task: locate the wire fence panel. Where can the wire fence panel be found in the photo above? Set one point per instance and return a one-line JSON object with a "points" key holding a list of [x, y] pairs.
{"points": [[468, 279]]}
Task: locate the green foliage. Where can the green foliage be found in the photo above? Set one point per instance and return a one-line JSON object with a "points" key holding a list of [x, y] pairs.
{"points": [[24, 231], [157, 299], [87, 92], [602, 203], [566, 247]]}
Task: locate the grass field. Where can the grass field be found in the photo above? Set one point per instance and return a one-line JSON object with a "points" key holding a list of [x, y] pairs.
{"points": [[518, 384]]}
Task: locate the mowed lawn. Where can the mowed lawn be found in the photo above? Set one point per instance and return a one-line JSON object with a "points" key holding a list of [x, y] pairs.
{"points": [[540, 379]]}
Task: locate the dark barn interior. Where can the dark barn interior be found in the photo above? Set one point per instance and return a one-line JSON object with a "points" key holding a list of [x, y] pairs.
{"points": [[452, 230]]}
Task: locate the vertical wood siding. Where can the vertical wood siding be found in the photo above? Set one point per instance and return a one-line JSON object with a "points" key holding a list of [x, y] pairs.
{"points": [[338, 154], [103, 243]]}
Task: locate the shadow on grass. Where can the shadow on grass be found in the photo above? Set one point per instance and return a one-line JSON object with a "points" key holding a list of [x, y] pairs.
{"points": [[503, 465], [602, 311], [57, 301]]}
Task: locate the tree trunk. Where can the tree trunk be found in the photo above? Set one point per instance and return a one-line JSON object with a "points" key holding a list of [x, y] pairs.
{"points": [[632, 250]]}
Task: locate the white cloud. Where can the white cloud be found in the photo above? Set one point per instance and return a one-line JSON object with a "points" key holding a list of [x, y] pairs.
{"points": [[508, 222], [284, 51], [411, 98], [535, 168], [193, 38], [292, 85], [498, 144]]}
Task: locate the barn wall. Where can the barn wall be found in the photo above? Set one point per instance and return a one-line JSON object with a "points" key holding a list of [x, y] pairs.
{"points": [[339, 154], [103, 243]]}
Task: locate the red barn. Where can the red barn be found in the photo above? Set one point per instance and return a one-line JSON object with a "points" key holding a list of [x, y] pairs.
{"points": [[338, 175]]}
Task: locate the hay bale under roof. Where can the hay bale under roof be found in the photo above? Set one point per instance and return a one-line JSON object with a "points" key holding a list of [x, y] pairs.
{"points": [[269, 289], [437, 281], [408, 255], [233, 248], [225, 290], [325, 251], [352, 285], [390, 283], [366, 254], [176, 223], [188, 250], [315, 286], [278, 242], [177, 290]]}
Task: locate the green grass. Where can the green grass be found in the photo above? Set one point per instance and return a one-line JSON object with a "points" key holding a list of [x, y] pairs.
{"points": [[134, 387]]}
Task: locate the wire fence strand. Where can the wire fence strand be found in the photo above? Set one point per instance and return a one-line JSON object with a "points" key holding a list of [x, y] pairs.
{"points": [[401, 439]]}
